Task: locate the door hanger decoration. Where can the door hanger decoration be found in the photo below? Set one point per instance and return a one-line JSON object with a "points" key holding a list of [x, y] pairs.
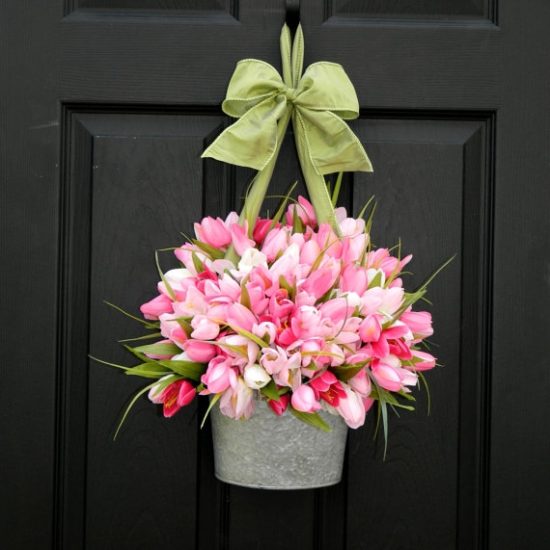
{"points": [[292, 324]]}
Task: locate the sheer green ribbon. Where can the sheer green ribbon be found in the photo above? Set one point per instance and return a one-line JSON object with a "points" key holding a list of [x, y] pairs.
{"points": [[319, 101]]}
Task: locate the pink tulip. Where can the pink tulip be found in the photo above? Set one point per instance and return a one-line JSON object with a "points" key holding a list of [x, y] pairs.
{"points": [[240, 316], [354, 279], [309, 252], [286, 264], [239, 238], [337, 310], [305, 211], [328, 388], [360, 383], [352, 408], [423, 360], [205, 329], [218, 375], [237, 401], [386, 376], [275, 242], [179, 280], [173, 397], [262, 228], [172, 330], [279, 304], [280, 406], [303, 399], [155, 307], [328, 241], [213, 232], [370, 329], [322, 279], [420, 323], [199, 351], [368, 402]]}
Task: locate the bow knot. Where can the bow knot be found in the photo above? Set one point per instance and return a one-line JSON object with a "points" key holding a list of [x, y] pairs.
{"points": [[290, 93]]}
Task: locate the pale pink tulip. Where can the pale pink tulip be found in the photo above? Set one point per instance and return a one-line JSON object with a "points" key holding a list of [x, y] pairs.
{"points": [[352, 408], [420, 323], [354, 279], [361, 383], [218, 375], [423, 360], [303, 399], [237, 401], [239, 238]]}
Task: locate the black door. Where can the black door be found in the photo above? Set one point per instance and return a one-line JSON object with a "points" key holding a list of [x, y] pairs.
{"points": [[106, 106]]}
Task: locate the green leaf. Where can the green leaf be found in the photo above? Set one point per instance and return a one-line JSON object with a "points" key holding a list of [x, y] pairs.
{"points": [[313, 419], [145, 337], [148, 370], [199, 266], [214, 253], [384, 411], [436, 272], [377, 280], [297, 225], [188, 369], [370, 219], [282, 207], [131, 404], [115, 365], [142, 321], [160, 348], [213, 401], [283, 283], [337, 186], [364, 209], [270, 391], [169, 289], [245, 296], [345, 372], [185, 325], [425, 383], [249, 335]]}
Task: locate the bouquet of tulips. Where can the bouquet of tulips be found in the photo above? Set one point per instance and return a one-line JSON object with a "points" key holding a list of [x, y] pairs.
{"points": [[301, 320]]}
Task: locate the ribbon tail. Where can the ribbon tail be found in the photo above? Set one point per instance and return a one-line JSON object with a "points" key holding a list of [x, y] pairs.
{"points": [[258, 189], [315, 182]]}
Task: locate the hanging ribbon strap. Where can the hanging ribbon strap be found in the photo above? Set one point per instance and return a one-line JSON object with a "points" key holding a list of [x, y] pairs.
{"points": [[263, 102]]}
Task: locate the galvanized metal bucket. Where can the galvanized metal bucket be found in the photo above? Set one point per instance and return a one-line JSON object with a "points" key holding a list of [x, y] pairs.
{"points": [[277, 452]]}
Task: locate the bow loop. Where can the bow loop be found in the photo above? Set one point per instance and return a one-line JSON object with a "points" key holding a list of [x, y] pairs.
{"points": [[252, 82], [326, 87]]}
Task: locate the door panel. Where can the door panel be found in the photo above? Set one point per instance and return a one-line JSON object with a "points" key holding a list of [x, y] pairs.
{"points": [[104, 112]]}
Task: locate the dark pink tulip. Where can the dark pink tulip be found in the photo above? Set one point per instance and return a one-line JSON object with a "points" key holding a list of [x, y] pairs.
{"points": [[280, 406], [173, 397]]}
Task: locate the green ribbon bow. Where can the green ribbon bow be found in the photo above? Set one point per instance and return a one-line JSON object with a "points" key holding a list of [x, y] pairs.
{"points": [[263, 102]]}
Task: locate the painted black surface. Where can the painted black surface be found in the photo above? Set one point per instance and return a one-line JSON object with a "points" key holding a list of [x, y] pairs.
{"points": [[104, 109]]}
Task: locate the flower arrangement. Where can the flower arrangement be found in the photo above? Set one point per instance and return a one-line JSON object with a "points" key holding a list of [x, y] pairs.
{"points": [[297, 312], [303, 320]]}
